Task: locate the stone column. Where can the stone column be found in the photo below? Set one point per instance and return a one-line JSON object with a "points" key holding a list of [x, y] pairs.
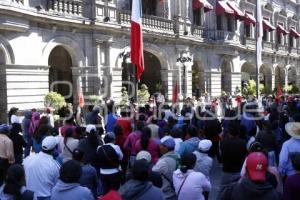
{"points": [[273, 81], [3, 94], [167, 83], [188, 79], [215, 84], [179, 68]]}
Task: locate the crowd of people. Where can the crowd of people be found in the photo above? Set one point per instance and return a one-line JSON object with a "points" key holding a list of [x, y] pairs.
{"points": [[145, 153]]}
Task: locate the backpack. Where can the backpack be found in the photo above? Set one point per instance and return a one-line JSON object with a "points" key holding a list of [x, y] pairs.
{"points": [[27, 195]]}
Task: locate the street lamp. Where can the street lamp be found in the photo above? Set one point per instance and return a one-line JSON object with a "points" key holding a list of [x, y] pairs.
{"points": [[186, 61]]}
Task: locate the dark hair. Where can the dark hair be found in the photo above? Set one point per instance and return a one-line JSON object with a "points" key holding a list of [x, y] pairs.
{"points": [[69, 133], [78, 154], [141, 170], [139, 125], [295, 158], [92, 138], [108, 139], [70, 172], [118, 130], [188, 161], [44, 121], [192, 131], [256, 147], [145, 138], [234, 128], [14, 181], [41, 132], [176, 133]]}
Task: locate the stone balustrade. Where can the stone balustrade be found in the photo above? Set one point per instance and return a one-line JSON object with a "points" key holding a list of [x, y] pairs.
{"points": [[268, 46], [216, 35], [249, 42], [64, 6], [281, 47], [293, 50], [151, 22], [18, 1]]}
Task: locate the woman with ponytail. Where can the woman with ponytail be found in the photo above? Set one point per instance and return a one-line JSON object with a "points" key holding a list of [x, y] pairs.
{"points": [[147, 143], [14, 187], [188, 184]]}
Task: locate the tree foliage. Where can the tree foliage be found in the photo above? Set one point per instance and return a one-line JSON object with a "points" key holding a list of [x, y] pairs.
{"points": [[143, 95], [55, 100]]}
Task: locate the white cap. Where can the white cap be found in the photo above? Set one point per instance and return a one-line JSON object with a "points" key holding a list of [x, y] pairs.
{"points": [[204, 145], [49, 143], [90, 127], [144, 155]]}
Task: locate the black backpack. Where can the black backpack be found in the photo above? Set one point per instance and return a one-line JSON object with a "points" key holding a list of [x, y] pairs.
{"points": [[27, 195]]}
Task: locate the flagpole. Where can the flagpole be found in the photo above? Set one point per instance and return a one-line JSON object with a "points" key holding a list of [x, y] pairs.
{"points": [[258, 56], [135, 84]]}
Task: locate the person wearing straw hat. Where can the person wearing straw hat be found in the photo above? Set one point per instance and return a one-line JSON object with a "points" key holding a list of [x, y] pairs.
{"points": [[290, 146]]}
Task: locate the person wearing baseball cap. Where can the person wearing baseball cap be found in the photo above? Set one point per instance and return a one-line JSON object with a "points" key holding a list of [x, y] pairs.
{"points": [[290, 146], [254, 185], [41, 170], [204, 162], [167, 164]]}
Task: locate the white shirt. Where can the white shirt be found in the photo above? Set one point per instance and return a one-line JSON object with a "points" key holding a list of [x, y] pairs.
{"points": [[42, 173], [178, 141], [193, 186]]}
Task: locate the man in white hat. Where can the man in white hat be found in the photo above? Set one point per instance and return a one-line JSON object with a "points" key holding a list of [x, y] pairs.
{"points": [[204, 162], [291, 146], [41, 170]]}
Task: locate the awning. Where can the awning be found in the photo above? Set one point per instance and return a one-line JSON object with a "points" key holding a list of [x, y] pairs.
{"points": [[197, 4], [249, 19], [222, 7], [237, 11], [280, 29], [267, 25], [294, 33]]}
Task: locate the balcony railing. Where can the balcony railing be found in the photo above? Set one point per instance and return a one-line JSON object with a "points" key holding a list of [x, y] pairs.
{"points": [[65, 7], [18, 1], [281, 47], [268, 46], [249, 42], [293, 50], [215, 35], [151, 22]]}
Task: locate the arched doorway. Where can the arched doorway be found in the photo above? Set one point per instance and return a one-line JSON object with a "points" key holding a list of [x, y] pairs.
{"points": [[265, 78], [60, 73], [198, 79], [226, 77], [292, 75], [152, 74], [248, 73], [279, 76]]}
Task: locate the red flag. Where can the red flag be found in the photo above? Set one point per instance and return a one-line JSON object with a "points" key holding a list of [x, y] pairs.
{"points": [[137, 52], [81, 99], [175, 93], [279, 92]]}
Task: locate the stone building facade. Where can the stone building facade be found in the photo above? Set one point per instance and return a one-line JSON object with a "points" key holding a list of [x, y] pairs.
{"points": [[86, 43]]}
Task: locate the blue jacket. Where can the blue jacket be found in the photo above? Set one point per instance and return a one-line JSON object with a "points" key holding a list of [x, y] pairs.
{"points": [[89, 178], [70, 191]]}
